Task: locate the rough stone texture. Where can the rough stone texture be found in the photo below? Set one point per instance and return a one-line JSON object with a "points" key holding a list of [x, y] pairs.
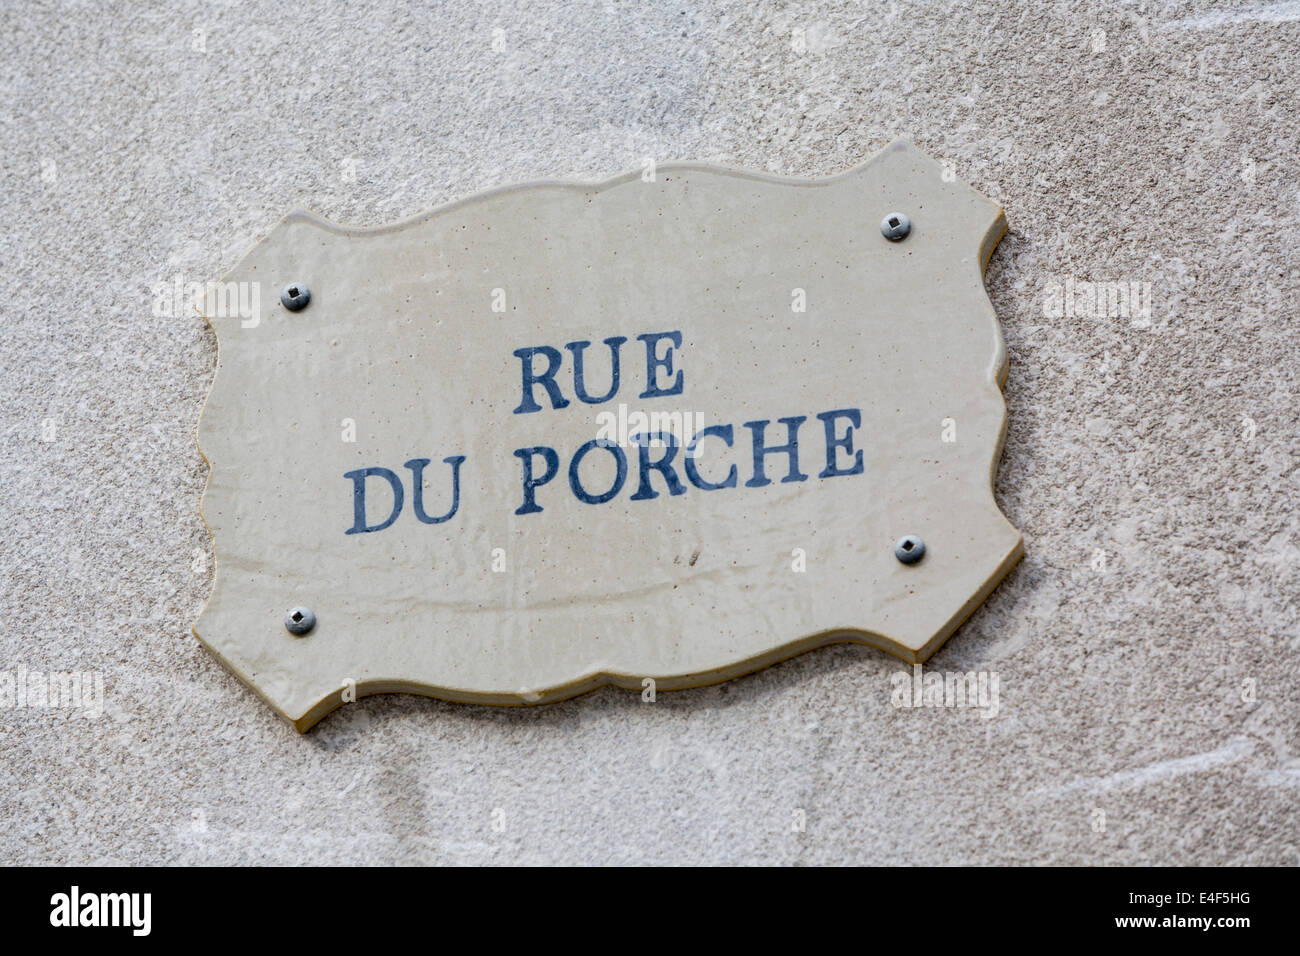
{"points": [[1135, 142]]}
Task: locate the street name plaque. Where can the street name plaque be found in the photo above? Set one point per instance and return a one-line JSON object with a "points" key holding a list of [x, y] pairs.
{"points": [[658, 431]]}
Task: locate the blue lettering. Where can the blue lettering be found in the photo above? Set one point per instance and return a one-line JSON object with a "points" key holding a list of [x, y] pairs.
{"points": [[359, 477], [417, 487], [653, 364], [575, 483], [579, 386], [725, 433], [790, 448], [546, 379], [663, 465], [833, 444], [530, 483]]}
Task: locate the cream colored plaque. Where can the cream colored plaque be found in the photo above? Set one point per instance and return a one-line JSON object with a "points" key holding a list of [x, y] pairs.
{"points": [[435, 460]]}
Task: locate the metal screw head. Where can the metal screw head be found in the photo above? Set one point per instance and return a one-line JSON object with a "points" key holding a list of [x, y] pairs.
{"points": [[295, 296], [910, 549], [299, 620], [895, 226]]}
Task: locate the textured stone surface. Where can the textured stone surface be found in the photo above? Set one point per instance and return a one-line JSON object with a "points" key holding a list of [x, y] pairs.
{"points": [[1128, 143]]}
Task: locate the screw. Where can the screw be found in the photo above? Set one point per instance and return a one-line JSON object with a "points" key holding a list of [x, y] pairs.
{"points": [[895, 226], [295, 297], [910, 549], [299, 620]]}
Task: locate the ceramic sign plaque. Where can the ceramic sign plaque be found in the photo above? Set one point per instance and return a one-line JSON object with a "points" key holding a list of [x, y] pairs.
{"points": [[670, 427]]}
